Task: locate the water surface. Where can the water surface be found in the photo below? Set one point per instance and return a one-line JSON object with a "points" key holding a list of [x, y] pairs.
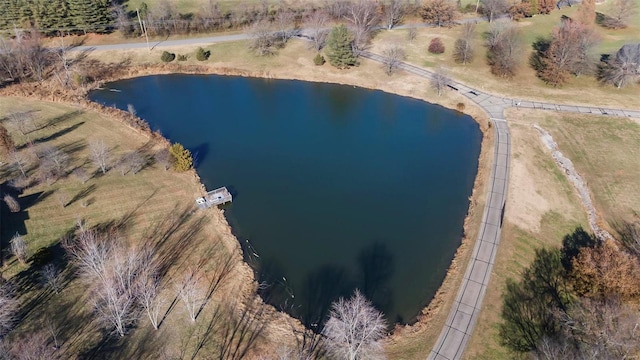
{"points": [[335, 187]]}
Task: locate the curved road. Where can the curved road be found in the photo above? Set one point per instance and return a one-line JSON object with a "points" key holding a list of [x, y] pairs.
{"points": [[464, 313]]}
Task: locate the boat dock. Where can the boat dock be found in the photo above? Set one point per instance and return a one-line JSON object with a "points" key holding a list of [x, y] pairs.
{"points": [[215, 197]]}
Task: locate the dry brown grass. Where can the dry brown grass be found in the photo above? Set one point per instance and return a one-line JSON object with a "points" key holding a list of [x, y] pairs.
{"points": [[149, 200]]}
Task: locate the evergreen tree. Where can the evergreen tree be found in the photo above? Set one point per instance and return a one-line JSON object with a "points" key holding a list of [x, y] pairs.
{"points": [[339, 49], [90, 15]]}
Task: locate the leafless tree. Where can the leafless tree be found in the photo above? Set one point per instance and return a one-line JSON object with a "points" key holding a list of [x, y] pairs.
{"points": [[33, 346], [132, 163], [354, 329], [90, 250], [147, 293], [12, 203], [412, 33], [131, 109], [20, 160], [262, 39], [163, 157], [81, 174], [392, 58], [19, 248], [53, 329], [190, 291], [22, 121], [504, 48], [394, 11], [363, 18], [623, 68], [99, 154], [439, 80], [63, 198], [622, 12], [285, 24], [316, 24], [35, 57], [8, 308], [439, 12], [57, 158], [9, 64], [463, 51], [51, 277], [493, 8], [114, 304]]}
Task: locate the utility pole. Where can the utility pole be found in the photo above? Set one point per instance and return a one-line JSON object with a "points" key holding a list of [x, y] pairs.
{"points": [[143, 29]]}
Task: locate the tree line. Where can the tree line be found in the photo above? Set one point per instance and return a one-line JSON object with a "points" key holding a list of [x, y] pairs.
{"points": [[577, 301]]}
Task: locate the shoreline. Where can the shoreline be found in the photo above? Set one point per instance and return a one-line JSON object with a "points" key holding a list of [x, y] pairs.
{"points": [[438, 305]]}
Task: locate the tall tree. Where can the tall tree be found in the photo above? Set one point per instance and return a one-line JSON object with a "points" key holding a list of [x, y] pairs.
{"points": [[339, 49], [587, 12], [394, 11], [503, 48], [90, 15], [363, 17], [439, 12], [354, 329], [463, 50], [622, 69], [7, 146], [99, 154], [494, 8]]}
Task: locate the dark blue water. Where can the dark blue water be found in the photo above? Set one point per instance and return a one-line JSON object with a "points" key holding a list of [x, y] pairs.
{"points": [[335, 187]]}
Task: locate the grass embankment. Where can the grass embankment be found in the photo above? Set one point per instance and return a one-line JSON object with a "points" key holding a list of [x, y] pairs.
{"points": [[543, 206], [153, 206]]}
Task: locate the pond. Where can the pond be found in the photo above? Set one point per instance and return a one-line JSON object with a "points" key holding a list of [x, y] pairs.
{"points": [[335, 187]]}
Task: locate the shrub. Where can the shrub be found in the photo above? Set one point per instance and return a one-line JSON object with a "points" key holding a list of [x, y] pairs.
{"points": [[202, 54], [436, 46], [460, 107], [182, 57], [183, 160], [167, 56], [318, 59]]}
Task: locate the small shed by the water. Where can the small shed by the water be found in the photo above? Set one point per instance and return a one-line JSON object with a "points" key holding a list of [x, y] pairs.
{"points": [[215, 197]]}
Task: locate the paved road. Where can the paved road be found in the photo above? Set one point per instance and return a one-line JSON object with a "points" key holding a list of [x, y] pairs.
{"points": [[464, 313]]}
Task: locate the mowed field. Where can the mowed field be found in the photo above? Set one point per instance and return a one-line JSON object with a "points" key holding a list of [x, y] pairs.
{"points": [[153, 207]]}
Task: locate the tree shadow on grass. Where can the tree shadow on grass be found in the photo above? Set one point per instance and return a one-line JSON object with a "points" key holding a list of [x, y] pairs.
{"points": [[59, 133]]}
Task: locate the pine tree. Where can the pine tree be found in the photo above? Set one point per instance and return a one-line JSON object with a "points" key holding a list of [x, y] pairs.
{"points": [[90, 15], [339, 50], [183, 160]]}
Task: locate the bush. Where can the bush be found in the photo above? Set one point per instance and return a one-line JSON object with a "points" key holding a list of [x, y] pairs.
{"points": [[202, 54], [183, 160], [460, 107], [318, 59], [182, 57], [436, 46], [167, 56]]}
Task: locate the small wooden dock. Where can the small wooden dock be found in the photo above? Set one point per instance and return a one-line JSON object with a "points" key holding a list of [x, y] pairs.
{"points": [[215, 197]]}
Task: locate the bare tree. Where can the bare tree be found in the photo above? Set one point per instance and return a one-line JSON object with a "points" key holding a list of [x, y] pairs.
{"points": [[51, 277], [57, 159], [493, 8], [53, 329], [392, 58], [90, 250], [147, 293], [22, 121], [622, 12], [33, 346], [132, 163], [99, 154], [412, 33], [191, 293], [81, 174], [12, 203], [285, 24], [131, 109], [354, 329], [439, 12], [504, 48], [316, 24], [164, 158], [439, 80], [8, 308], [19, 248], [62, 197], [363, 18], [394, 11], [114, 304], [20, 160], [463, 51], [262, 39], [623, 68]]}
